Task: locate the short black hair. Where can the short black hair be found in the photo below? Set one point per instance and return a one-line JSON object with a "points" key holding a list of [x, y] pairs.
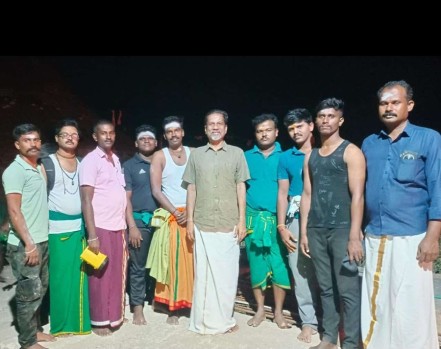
{"points": [[144, 128], [66, 122], [264, 117], [102, 122], [23, 129], [173, 118], [402, 83], [216, 111], [332, 102], [297, 115]]}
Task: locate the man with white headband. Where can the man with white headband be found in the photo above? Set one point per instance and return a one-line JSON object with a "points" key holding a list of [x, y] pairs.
{"points": [[174, 281], [140, 207]]}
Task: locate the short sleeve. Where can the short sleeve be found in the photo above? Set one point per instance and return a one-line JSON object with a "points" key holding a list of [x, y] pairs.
{"points": [[13, 180], [88, 170]]}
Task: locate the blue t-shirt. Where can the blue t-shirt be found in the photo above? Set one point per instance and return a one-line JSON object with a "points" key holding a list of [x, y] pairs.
{"points": [[403, 185], [262, 186], [291, 168]]}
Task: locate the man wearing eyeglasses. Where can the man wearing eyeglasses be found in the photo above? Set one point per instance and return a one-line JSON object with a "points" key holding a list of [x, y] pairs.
{"points": [[140, 206], [26, 196], [69, 287]]}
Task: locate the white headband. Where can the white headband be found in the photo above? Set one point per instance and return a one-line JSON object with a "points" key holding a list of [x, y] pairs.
{"points": [[172, 124], [146, 133]]}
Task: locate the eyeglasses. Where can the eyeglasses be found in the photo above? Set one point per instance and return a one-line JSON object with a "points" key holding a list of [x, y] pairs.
{"points": [[65, 135]]}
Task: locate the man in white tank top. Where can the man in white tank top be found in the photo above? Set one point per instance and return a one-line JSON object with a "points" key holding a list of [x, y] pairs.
{"points": [[166, 170]]}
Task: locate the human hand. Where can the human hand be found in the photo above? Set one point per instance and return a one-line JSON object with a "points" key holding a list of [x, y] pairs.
{"points": [[181, 217], [240, 231], [355, 250], [288, 239], [135, 237], [304, 246], [32, 255], [427, 252], [94, 245], [190, 230]]}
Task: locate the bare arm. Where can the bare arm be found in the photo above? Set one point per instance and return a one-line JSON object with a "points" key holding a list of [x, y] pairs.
{"points": [[18, 222], [282, 207], [86, 206], [156, 167], [191, 201], [356, 163], [135, 236], [241, 229], [305, 206]]}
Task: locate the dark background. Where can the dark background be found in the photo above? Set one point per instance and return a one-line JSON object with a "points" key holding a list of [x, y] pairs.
{"points": [[147, 89]]}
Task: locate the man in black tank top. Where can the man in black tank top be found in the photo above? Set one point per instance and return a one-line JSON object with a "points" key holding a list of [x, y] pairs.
{"points": [[331, 212]]}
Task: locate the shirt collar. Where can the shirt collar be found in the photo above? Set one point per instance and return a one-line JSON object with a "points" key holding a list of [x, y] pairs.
{"points": [[24, 164], [102, 154], [407, 132], [138, 158], [224, 147], [277, 149], [296, 151]]}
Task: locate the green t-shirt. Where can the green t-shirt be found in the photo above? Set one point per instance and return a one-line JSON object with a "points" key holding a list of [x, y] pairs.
{"points": [[21, 178]]}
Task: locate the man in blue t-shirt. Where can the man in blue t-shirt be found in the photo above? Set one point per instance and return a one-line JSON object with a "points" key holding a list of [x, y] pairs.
{"points": [[403, 217], [299, 125]]}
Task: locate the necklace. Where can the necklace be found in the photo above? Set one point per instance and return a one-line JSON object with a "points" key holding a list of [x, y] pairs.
{"points": [[178, 154], [64, 173], [66, 157]]}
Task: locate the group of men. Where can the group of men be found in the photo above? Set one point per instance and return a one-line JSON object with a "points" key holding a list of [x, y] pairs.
{"points": [[394, 182], [301, 209]]}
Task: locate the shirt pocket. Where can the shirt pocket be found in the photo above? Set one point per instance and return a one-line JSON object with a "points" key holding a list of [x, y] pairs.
{"points": [[409, 169]]}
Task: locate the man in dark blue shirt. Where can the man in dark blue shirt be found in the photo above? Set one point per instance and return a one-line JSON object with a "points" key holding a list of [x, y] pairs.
{"points": [[403, 216], [140, 205]]}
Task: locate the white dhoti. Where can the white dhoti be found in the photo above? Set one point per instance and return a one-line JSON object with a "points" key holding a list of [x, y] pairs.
{"points": [[216, 262], [398, 307]]}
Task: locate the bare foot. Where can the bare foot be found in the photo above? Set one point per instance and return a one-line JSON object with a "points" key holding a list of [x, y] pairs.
{"points": [[324, 345], [257, 319], [281, 322], [45, 337], [235, 328], [306, 334], [102, 331], [172, 320], [138, 315], [37, 346]]}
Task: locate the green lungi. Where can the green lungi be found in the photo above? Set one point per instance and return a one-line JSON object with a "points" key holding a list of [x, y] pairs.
{"points": [[68, 283], [265, 250]]}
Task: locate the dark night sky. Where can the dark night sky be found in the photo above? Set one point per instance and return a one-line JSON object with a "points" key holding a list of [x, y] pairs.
{"points": [[149, 88]]}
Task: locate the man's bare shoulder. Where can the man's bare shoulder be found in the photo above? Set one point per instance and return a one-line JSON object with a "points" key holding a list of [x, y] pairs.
{"points": [[158, 156], [353, 154]]}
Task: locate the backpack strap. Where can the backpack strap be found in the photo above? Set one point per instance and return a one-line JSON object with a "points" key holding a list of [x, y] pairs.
{"points": [[49, 168]]}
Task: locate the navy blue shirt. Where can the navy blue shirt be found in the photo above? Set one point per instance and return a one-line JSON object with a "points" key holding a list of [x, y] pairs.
{"points": [[137, 176], [403, 185]]}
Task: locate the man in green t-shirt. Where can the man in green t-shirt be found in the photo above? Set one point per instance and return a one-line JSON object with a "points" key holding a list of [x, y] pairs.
{"points": [[26, 197]]}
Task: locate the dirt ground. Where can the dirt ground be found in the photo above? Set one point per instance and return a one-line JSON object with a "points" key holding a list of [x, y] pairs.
{"points": [[157, 334]]}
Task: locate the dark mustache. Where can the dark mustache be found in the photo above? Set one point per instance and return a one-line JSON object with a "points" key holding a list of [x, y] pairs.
{"points": [[33, 149], [389, 114]]}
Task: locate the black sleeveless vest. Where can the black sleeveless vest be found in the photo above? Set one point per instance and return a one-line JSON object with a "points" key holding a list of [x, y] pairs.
{"points": [[330, 197]]}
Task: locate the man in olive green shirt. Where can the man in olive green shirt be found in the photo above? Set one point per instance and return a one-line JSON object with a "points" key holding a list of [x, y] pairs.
{"points": [[216, 197]]}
